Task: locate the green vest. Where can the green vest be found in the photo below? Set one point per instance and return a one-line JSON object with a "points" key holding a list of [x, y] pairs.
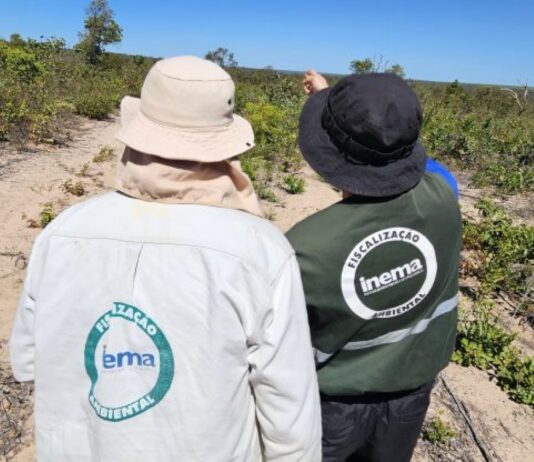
{"points": [[381, 284]]}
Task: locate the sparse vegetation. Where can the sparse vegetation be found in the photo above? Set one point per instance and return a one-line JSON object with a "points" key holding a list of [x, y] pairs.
{"points": [[438, 431], [271, 102], [85, 170], [480, 338], [483, 130], [105, 154], [270, 214], [93, 106], [42, 84], [502, 255], [483, 343], [76, 189], [293, 184], [509, 175], [47, 214], [265, 193]]}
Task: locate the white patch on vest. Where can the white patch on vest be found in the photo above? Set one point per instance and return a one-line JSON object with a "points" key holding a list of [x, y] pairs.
{"points": [[390, 277]]}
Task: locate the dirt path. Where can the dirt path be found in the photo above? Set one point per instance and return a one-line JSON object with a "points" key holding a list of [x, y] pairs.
{"points": [[29, 181]]}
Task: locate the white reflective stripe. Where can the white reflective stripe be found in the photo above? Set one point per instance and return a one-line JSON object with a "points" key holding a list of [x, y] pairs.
{"points": [[395, 336], [320, 357], [398, 335]]}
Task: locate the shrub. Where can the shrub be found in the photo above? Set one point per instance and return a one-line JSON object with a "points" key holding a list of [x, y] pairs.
{"points": [[515, 374], [483, 130], [273, 108], [76, 189], [97, 106], [47, 214], [294, 184], [268, 121], [42, 83], [483, 343], [105, 154], [480, 338], [258, 164], [507, 251], [508, 174], [438, 431], [85, 170], [32, 74], [265, 193], [20, 63]]}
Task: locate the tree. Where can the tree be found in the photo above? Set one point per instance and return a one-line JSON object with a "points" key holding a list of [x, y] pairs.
{"points": [[455, 89], [362, 66], [396, 69], [100, 30], [16, 40], [368, 65], [222, 57], [519, 97]]}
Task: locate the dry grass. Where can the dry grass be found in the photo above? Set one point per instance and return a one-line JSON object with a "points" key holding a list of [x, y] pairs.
{"points": [[105, 154]]}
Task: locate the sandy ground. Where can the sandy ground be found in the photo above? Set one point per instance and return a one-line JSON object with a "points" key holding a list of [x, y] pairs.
{"points": [[27, 181]]}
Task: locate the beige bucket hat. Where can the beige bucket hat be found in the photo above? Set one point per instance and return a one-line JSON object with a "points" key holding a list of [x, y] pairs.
{"points": [[185, 112]]}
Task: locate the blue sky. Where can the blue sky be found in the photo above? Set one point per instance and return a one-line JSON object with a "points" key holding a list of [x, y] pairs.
{"points": [[471, 40]]}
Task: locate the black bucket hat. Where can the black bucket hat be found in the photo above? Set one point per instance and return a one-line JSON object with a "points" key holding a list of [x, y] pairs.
{"points": [[362, 136]]}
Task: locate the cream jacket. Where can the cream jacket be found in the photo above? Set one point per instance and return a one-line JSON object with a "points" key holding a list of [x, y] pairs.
{"points": [[166, 332]]}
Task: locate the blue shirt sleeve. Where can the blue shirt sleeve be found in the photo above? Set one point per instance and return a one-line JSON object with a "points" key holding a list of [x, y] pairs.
{"points": [[433, 166]]}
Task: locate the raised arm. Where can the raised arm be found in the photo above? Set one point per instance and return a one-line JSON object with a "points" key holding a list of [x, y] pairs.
{"points": [[314, 82]]}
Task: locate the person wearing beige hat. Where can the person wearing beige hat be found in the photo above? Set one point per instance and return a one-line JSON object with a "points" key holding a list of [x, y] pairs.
{"points": [[166, 321]]}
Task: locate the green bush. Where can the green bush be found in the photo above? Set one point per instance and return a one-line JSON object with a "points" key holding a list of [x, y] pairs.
{"points": [[294, 184], [482, 130], [483, 343], [47, 214], [507, 174], [42, 83], [20, 63], [268, 121], [437, 431], [264, 192], [257, 165], [507, 251], [515, 374], [480, 338], [94, 106], [32, 77]]}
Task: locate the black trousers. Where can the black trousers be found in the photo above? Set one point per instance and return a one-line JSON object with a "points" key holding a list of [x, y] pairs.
{"points": [[379, 427]]}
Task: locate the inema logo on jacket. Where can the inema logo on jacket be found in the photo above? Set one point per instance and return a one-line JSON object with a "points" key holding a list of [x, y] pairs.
{"points": [[392, 277], [127, 359]]}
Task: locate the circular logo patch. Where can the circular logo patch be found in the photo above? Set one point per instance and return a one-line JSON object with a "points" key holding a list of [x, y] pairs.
{"points": [[122, 367], [392, 264]]}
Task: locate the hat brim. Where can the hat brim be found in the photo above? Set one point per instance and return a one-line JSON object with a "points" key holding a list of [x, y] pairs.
{"points": [[212, 144], [360, 179]]}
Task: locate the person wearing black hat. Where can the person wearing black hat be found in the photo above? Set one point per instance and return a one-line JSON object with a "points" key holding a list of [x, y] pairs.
{"points": [[380, 267]]}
